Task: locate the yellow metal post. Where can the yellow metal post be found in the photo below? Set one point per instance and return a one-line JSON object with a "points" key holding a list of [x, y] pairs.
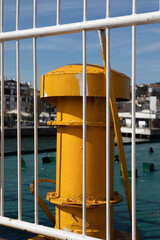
{"points": [[63, 88]]}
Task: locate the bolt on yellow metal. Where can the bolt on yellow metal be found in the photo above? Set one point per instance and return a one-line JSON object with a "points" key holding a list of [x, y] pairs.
{"points": [[62, 87]]}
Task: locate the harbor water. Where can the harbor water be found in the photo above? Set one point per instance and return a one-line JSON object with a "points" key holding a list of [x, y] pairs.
{"points": [[147, 192], [147, 187]]}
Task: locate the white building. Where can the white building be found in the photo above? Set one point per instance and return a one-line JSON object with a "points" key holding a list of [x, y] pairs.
{"points": [[10, 95], [147, 123]]}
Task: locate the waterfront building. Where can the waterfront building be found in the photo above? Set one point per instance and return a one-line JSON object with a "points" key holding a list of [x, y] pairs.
{"points": [[147, 117], [26, 98], [147, 123], [10, 95]]}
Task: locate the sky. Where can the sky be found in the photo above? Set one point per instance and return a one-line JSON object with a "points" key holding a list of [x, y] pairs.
{"points": [[56, 51]]}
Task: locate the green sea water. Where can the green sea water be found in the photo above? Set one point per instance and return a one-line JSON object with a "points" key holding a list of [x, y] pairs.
{"points": [[11, 185], [147, 189], [147, 193]]}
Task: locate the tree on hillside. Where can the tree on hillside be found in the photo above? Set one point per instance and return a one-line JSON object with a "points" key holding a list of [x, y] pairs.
{"points": [[155, 93], [141, 91], [42, 106]]}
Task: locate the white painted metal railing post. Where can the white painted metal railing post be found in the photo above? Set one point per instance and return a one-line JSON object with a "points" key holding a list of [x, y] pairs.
{"points": [[2, 114], [58, 11], [35, 115], [108, 125], [133, 127], [18, 116], [84, 118]]}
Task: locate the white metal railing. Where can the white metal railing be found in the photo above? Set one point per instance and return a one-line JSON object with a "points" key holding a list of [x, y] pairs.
{"points": [[108, 124], [18, 114], [90, 25], [107, 23], [2, 115], [58, 12], [35, 114], [84, 117], [133, 160], [39, 229]]}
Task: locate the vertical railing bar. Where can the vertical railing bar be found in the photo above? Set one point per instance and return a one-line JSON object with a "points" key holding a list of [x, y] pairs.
{"points": [[35, 129], [84, 132], [84, 10], [18, 116], [35, 14], [133, 126], [35, 116], [2, 15], [134, 7], [2, 113], [108, 125], [58, 12], [17, 14], [108, 8], [108, 133], [84, 118], [133, 133]]}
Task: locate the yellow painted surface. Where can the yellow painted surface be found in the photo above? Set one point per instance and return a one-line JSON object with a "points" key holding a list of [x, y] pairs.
{"points": [[67, 81], [63, 87], [71, 150], [40, 237], [95, 220]]}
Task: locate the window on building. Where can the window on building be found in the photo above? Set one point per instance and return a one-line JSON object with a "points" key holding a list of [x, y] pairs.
{"points": [[7, 107], [15, 92], [7, 91], [7, 98]]}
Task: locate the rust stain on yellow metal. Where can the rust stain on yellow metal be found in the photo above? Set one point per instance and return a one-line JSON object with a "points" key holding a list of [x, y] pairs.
{"points": [[62, 87], [53, 198]]}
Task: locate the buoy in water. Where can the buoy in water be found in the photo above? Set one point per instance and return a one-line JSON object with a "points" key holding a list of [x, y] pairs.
{"points": [[48, 159], [116, 158], [151, 150], [148, 166], [23, 164]]}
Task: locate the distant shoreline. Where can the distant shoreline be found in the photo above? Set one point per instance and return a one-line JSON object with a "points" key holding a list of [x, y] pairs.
{"points": [[139, 141], [29, 131], [31, 151]]}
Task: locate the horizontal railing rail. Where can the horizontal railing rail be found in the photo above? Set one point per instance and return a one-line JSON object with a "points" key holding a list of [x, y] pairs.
{"points": [[114, 22], [43, 230]]}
